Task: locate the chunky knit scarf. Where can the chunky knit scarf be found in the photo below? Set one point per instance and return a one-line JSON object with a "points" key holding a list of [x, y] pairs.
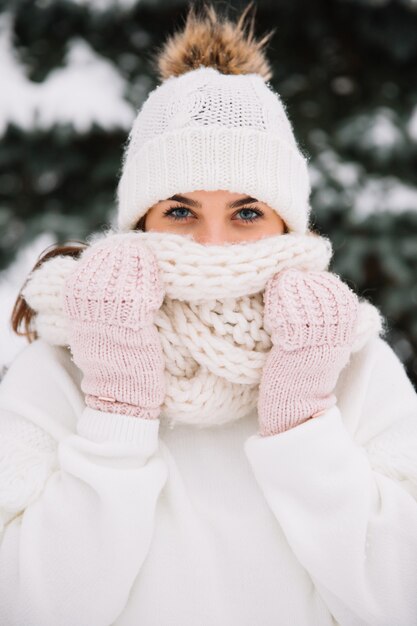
{"points": [[211, 320]]}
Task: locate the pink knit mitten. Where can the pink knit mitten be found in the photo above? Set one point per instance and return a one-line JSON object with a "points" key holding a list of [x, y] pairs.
{"points": [[110, 300], [311, 318]]}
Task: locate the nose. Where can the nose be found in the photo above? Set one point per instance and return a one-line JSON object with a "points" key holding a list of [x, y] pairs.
{"points": [[213, 235]]}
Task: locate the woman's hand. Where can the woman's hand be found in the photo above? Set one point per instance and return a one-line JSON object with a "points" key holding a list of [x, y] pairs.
{"points": [[311, 318], [110, 300]]}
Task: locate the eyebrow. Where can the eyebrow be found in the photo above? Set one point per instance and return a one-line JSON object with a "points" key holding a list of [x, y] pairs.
{"points": [[230, 205]]}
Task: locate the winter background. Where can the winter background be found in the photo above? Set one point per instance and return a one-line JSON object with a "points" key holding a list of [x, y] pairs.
{"points": [[73, 73]]}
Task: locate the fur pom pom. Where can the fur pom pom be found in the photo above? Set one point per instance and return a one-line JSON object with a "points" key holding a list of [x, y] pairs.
{"points": [[211, 40]]}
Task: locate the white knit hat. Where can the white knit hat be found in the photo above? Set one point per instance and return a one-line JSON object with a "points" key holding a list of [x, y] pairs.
{"points": [[209, 130]]}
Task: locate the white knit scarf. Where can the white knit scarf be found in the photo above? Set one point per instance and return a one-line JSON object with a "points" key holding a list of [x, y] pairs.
{"points": [[211, 320]]}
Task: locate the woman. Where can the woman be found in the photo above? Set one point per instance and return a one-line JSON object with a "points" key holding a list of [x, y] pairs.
{"points": [[205, 429]]}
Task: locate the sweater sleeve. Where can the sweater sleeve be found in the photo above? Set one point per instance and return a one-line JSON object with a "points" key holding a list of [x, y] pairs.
{"points": [[349, 509], [78, 515]]}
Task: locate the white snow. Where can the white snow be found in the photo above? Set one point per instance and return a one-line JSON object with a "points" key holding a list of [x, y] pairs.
{"points": [[377, 132], [346, 173], [88, 89], [382, 131], [11, 281], [103, 5], [343, 85], [379, 194], [412, 124], [367, 194]]}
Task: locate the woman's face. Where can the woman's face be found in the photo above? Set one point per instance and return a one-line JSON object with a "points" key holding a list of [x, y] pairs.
{"points": [[215, 217]]}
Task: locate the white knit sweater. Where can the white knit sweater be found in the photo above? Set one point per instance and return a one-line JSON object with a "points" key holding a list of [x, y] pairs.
{"points": [[117, 520]]}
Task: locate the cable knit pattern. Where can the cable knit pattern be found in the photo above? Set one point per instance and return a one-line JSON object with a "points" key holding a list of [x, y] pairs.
{"points": [[45, 297], [311, 317], [309, 309], [27, 458], [207, 130], [110, 300], [211, 320]]}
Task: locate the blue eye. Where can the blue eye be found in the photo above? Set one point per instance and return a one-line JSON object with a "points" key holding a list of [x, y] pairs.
{"points": [[171, 213], [255, 215]]}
